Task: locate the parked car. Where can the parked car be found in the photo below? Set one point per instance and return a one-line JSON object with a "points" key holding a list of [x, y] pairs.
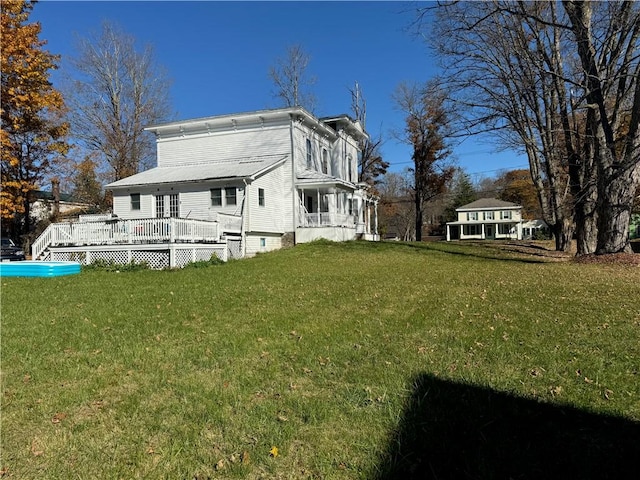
{"points": [[10, 251]]}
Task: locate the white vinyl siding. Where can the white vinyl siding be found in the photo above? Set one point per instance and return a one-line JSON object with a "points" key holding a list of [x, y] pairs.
{"points": [[270, 216], [222, 146]]}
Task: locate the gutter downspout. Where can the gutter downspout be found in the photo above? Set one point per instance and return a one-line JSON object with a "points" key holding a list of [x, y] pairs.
{"points": [[294, 189], [245, 217]]}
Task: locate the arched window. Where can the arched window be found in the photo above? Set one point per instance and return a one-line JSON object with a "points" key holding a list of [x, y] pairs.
{"points": [[325, 161], [309, 156]]}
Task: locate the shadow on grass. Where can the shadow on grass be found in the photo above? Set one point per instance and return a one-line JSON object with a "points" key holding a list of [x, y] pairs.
{"points": [[457, 431], [473, 250]]}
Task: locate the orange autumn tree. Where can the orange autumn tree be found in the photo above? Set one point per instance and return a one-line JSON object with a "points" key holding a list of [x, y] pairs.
{"points": [[33, 133]]}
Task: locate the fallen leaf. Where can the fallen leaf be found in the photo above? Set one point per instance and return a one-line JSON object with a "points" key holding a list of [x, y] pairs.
{"points": [[244, 458], [58, 417], [220, 465], [607, 393], [273, 452]]}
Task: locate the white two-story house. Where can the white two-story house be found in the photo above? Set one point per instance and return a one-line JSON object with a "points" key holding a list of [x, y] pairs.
{"points": [[291, 177], [487, 218], [260, 180]]}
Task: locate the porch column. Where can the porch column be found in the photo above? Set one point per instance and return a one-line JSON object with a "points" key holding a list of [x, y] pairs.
{"points": [[319, 207], [448, 234], [368, 223], [483, 236], [375, 223]]}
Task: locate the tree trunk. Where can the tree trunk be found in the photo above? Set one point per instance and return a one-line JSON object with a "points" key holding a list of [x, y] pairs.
{"points": [[615, 210], [563, 233], [418, 199], [586, 220]]}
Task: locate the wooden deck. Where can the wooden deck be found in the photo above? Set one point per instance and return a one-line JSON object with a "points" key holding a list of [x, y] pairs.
{"points": [[114, 231]]}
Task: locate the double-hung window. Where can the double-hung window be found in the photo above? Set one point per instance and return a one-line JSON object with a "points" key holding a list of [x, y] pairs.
{"points": [[261, 197], [135, 201], [216, 197], [488, 215], [309, 155], [230, 196], [325, 161], [505, 214], [472, 216]]}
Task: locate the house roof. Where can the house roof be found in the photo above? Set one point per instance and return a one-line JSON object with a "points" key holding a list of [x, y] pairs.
{"points": [[48, 195], [487, 203], [311, 178], [234, 121], [244, 167]]}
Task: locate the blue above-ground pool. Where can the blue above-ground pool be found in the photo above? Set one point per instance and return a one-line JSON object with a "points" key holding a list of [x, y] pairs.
{"points": [[31, 268]]}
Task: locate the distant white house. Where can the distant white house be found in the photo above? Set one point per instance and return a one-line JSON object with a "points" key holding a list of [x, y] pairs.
{"points": [[265, 179], [487, 218], [46, 204]]}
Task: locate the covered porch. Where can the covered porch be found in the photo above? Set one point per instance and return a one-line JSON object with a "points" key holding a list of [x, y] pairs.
{"points": [[333, 209], [484, 230]]}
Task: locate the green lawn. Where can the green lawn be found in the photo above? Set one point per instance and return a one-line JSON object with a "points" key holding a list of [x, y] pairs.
{"points": [[354, 360]]}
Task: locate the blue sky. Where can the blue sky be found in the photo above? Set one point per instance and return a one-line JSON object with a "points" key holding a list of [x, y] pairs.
{"points": [[218, 55]]}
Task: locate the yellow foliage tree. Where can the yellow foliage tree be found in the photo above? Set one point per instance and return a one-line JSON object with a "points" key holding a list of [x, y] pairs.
{"points": [[33, 133]]}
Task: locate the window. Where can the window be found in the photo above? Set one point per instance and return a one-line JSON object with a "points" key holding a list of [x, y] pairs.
{"points": [[230, 195], [350, 167], [261, 197], [472, 216], [472, 229], [135, 201], [159, 206], [324, 203], [505, 214], [263, 242], [174, 205], [488, 215], [504, 229], [325, 161], [216, 197], [309, 156]]}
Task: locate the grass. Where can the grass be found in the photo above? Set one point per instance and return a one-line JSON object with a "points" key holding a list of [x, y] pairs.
{"points": [[321, 351]]}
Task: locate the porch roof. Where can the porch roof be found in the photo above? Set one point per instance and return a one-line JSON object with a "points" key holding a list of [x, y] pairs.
{"points": [[313, 179], [485, 222], [244, 167]]}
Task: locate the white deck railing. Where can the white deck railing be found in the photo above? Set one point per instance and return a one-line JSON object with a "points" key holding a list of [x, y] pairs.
{"points": [[229, 223], [327, 219], [115, 231]]}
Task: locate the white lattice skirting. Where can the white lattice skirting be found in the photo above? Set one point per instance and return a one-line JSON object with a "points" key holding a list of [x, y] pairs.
{"points": [[157, 256]]}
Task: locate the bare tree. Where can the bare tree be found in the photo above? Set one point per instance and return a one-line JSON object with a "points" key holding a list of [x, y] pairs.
{"points": [[559, 80], [117, 92], [397, 215], [371, 165], [291, 80], [427, 127]]}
